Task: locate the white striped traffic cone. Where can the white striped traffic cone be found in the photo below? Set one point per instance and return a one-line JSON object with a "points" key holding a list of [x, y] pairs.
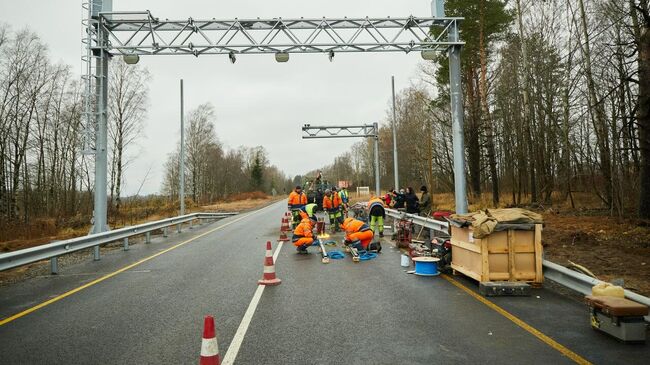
{"points": [[269, 268], [284, 229], [209, 346]]}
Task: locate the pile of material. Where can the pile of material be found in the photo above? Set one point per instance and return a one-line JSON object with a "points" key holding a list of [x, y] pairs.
{"points": [[485, 222]]}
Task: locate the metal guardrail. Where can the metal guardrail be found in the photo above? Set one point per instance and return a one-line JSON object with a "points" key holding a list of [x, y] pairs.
{"points": [[53, 250], [564, 276], [420, 221], [582, 283]]}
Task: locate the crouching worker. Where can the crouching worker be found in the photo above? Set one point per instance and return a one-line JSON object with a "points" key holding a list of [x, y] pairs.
{"points": [[303, 236], [309, 211], [359, 235], [377, 214]]}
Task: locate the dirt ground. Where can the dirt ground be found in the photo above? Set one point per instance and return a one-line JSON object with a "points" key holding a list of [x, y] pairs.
{"points": [[611, 248], [238, 206]]}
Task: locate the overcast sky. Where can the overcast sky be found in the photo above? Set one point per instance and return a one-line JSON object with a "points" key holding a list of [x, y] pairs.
{"points": [[257, 101]]}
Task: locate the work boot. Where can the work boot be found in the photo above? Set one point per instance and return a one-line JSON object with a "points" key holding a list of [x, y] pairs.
{"points": [[302, 249], [381, 234]]}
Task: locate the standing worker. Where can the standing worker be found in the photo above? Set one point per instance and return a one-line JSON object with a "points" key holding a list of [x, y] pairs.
{"points": [[319, 198], [412, 201], [297, 200], [425, 201], [377, 213], [345, 198], [359, 235], [332, 205], [303, 236]]}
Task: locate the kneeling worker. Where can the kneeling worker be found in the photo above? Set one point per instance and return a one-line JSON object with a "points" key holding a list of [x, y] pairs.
{"points": [[359, 235], [377, 214], [309, 211], [303, 236]]}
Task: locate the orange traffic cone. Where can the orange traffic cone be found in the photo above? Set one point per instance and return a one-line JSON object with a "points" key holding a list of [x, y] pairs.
{"points": [[284, 229], [269, 268], [209, 346]]}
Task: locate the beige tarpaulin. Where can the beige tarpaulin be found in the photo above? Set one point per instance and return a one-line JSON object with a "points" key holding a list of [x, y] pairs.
{"points": [[485, 222]]}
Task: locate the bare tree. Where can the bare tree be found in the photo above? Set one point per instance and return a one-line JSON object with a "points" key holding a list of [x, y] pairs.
{"points": [[128, 96]]}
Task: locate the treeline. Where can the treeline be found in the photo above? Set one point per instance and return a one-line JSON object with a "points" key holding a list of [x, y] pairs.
{"points": [[556, 101], [42, 170], [213, 171]]}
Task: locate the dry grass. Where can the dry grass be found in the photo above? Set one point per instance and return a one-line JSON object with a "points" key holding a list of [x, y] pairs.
{"points": [[19, 235]]}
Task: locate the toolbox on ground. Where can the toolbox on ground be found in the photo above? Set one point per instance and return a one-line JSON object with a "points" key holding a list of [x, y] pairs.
{"points": [[618, 317]]}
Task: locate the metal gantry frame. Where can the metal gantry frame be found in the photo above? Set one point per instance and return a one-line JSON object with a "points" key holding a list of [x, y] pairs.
{"points": [[348, 131], [134, 34]]}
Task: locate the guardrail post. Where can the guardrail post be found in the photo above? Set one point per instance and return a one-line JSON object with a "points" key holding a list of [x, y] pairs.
{"points": [[178, 227], [191, 227], [147, 237], [126, 243], [96, 255], [54, 265], [165, 232]]}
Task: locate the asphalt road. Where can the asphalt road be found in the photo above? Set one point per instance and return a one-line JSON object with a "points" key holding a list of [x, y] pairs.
{"points": [[341, 313]]}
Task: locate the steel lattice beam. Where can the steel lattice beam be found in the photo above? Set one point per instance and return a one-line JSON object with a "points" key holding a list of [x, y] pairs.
{"points": [[366, 130], [348, 131], [142, 34]]}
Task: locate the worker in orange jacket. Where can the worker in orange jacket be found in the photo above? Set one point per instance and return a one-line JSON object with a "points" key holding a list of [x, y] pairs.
{"points": [[359, 235], [303, 236], [332, 205], [297, 200]]}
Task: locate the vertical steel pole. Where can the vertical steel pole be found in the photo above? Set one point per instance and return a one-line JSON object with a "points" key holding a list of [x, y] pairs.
{"points": [[457, 115], [395, 162], [181, 169], [101, 154], [377, 191]]}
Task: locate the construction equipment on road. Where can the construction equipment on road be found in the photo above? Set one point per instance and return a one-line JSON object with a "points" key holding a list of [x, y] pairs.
{"points": [[323, 252], [426, 266], [403, 232], [284, 228], [209, 345], [269, 277], [320, 227], [359, 211], [618, 317], [353, 252]]}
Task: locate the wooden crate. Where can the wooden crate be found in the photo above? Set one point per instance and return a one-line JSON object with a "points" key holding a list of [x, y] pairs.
{"points": [[511, 255]]}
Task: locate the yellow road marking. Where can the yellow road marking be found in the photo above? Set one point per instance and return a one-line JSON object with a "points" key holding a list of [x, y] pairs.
{"points": [[108, 276], [532, 330]]}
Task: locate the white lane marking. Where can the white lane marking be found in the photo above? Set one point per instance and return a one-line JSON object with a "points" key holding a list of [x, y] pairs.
{"points": [[233, 349]]}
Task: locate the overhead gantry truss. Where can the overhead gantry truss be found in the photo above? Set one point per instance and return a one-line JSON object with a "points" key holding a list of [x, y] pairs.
{"points": [[348, 131], [366, 130], [140, 33]]}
